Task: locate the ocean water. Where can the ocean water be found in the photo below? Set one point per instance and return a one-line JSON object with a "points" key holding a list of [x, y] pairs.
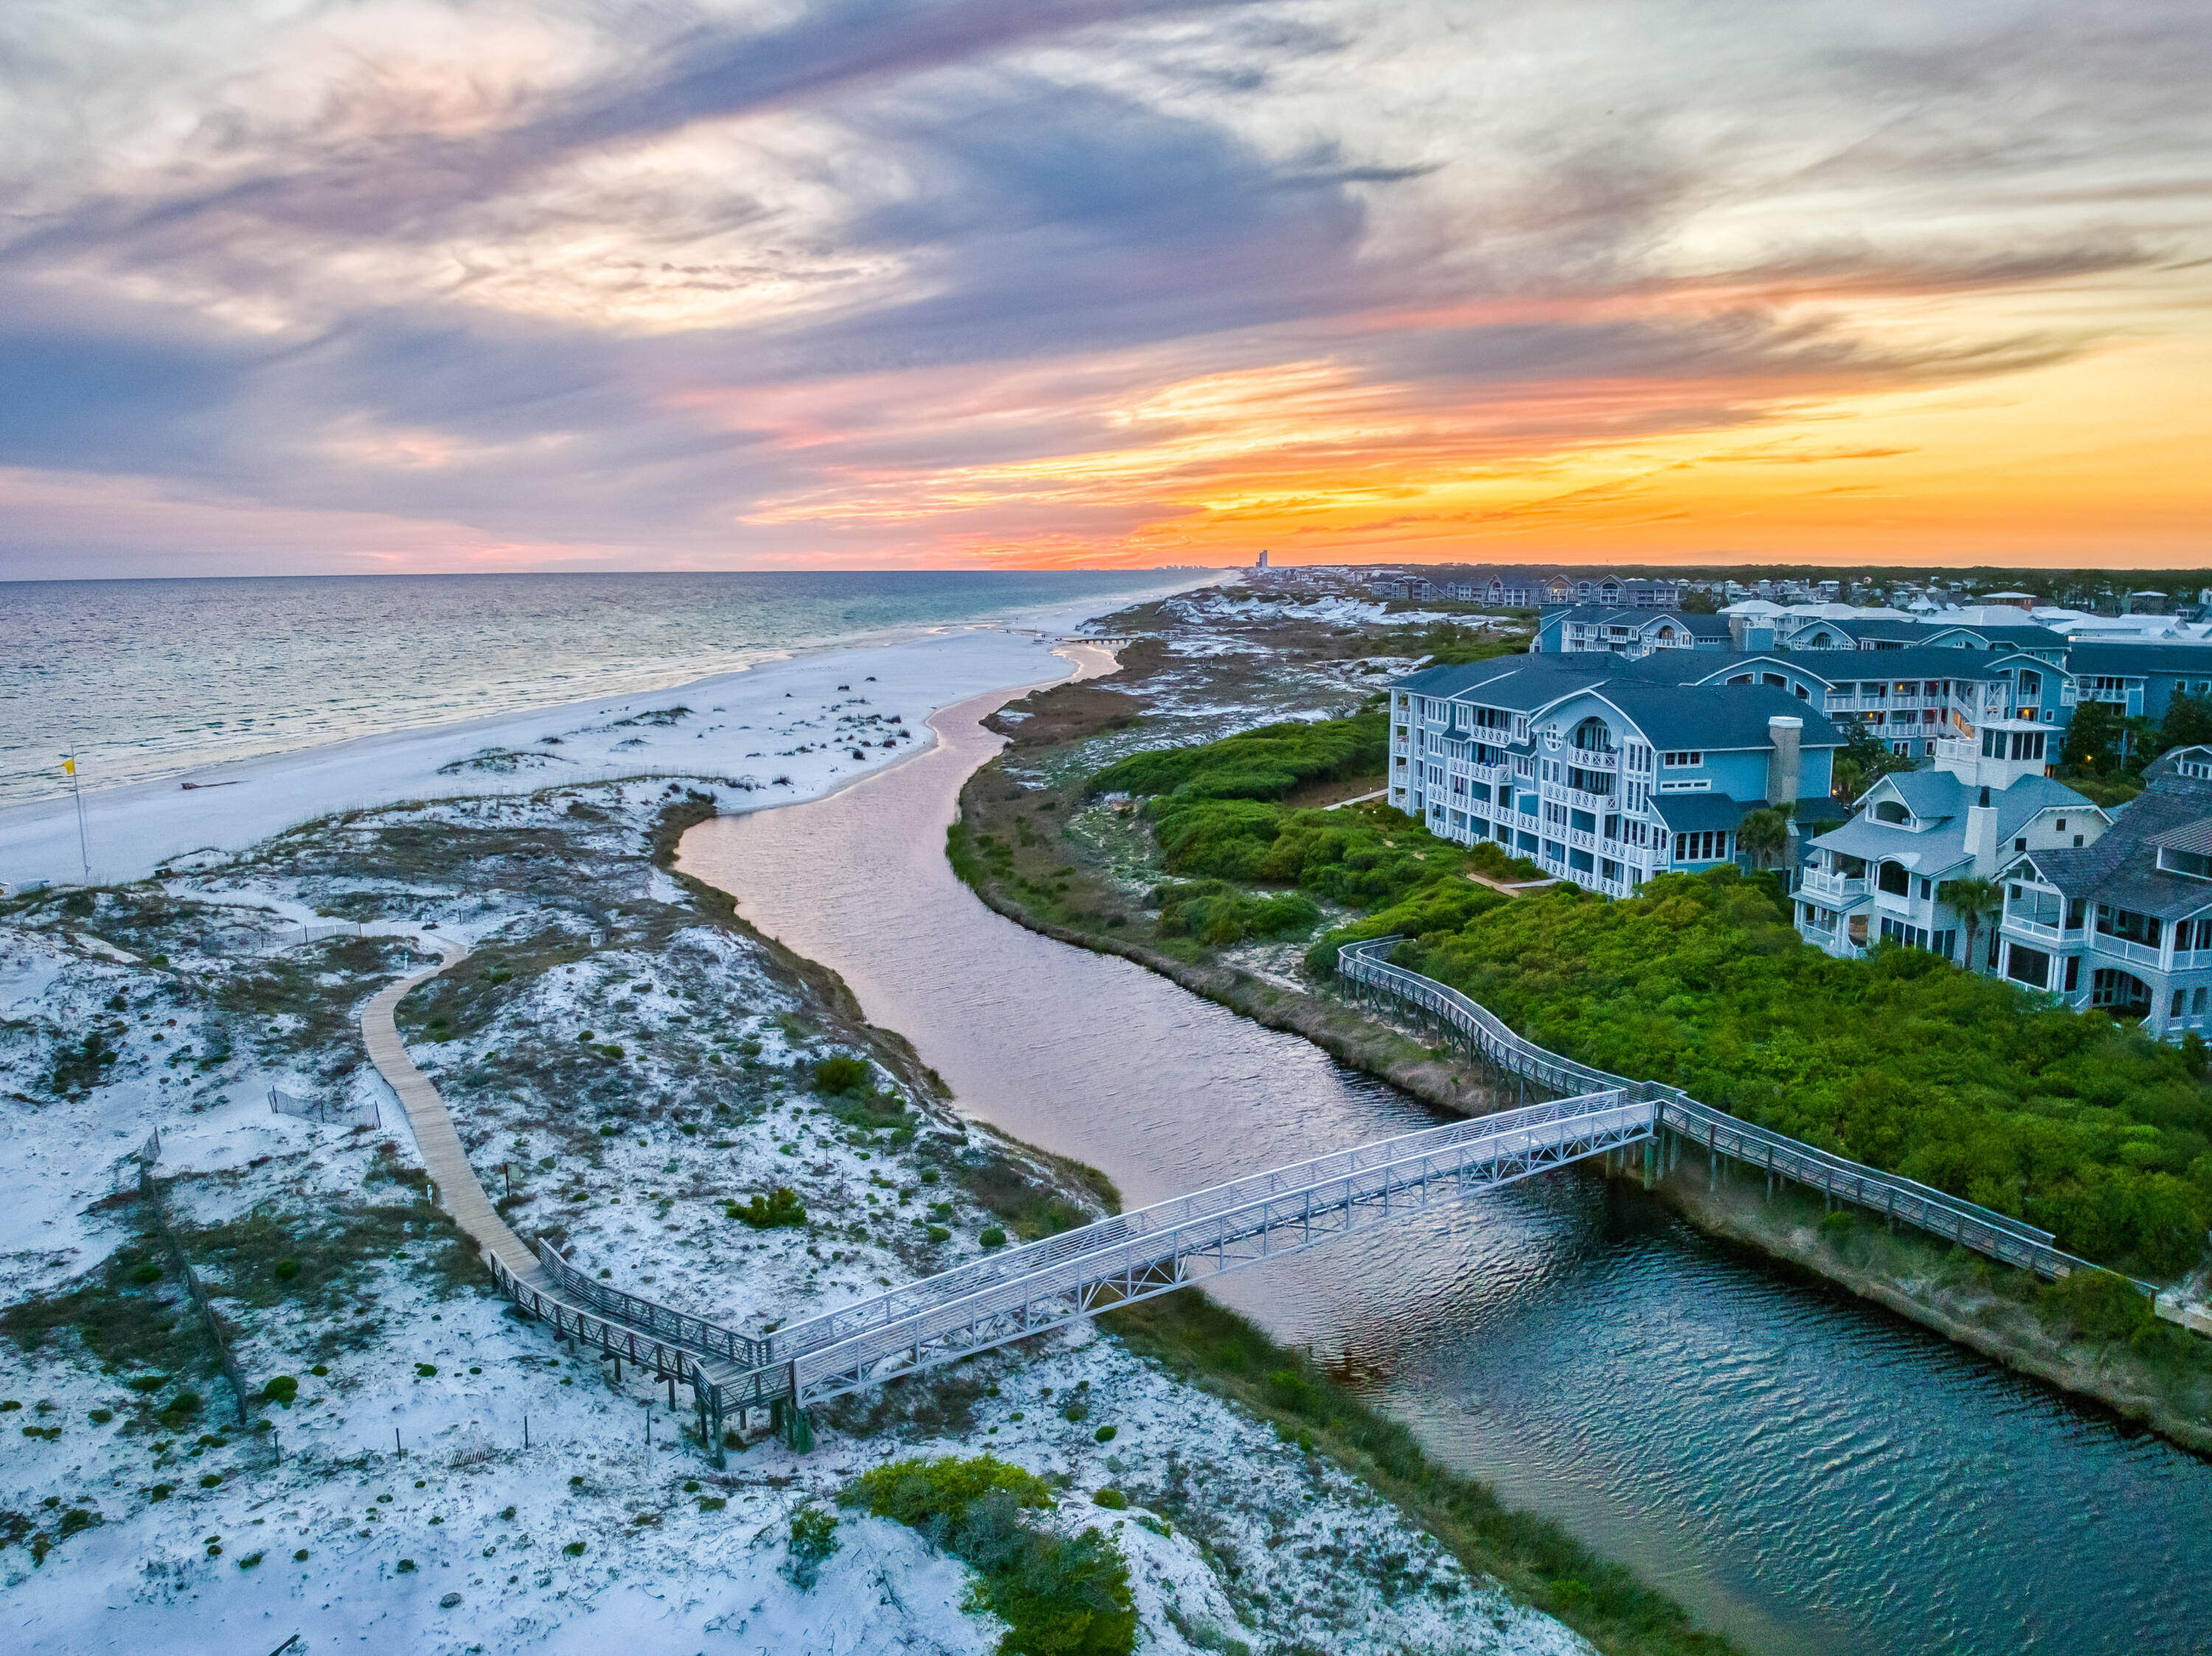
{"points": [[149, 678]]}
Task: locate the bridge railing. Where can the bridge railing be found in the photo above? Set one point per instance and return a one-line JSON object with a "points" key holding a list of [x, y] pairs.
{"points": [[677, 1328], [588, 1326], [1998, 1235], [1062, 1269], [1030, 1258], [1368, 963]]}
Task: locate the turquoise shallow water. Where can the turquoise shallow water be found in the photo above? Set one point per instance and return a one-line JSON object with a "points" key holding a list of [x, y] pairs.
{"points": [[146, 678]]}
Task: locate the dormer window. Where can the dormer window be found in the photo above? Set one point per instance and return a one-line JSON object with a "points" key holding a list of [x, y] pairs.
{"points": [[2194, 863], [1892, 810]]}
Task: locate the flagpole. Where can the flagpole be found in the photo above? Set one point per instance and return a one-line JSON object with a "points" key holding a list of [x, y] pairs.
{"points": [[76, 788]]}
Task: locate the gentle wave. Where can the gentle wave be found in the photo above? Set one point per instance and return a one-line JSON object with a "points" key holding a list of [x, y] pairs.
{"points": [[150, 678]]}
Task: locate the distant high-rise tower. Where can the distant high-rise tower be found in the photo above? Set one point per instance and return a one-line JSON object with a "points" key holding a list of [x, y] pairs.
{"points": [[1262, 564]]}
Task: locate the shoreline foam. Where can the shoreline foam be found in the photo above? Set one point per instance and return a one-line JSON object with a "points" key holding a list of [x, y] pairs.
{"points": [[739, 730]]}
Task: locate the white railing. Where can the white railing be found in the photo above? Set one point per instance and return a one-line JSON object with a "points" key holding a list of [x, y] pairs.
{"points": [[2021, 924], [2120, 949], [1833, 888], [1981, 1229]]}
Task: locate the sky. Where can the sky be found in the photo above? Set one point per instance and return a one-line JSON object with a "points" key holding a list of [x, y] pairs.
{"points": [[350, 286]]}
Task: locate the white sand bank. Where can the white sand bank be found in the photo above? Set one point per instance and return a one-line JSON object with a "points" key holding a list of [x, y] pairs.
{"points": [[788, 730]]}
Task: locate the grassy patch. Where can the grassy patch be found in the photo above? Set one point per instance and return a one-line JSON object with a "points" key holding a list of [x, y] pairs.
{"points": [[2078, 1123], [1059, 1595]]}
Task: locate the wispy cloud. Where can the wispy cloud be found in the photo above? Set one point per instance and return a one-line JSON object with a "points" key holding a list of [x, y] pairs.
{"points": [[875, 281]]}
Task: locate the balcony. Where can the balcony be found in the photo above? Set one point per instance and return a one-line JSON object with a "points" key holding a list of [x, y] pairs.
{"points": [[1958, 748], [2119, 949], [1896, 902], [1581, 799], [2018, 926], [1833, 888]]}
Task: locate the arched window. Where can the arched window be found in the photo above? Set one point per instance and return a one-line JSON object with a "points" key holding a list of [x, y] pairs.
{"points": [[1593, 735], [1741, 678], [1892, 810]]}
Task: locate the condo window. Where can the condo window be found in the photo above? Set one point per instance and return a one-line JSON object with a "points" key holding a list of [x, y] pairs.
{"points": [[1681, 760]]}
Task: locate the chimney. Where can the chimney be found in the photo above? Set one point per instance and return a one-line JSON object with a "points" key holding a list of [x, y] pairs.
{"points": [[1981, 836], [1782, 767]]}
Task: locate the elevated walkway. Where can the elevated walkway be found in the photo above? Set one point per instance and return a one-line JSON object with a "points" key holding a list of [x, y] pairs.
{"points": [[1679, 1119], [1012, 1294]]}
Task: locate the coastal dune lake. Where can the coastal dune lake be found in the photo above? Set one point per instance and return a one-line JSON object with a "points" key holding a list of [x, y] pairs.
{"points": [[1806, 1473]]}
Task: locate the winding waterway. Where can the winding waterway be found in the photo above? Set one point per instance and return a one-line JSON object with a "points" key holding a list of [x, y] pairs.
{"points": [[1805, 1471]]}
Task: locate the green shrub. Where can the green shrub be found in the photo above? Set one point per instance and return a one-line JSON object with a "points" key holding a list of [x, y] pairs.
{"points": [[992, 1236], [1106, 1434], [842, 1073], [1058, 1596], [2068, 1120], [281, 1389], [573, 1549], [2093, 1305], [781, 1206], [813, 1541], [915, 1492], [1217, 913], [1112, 1500], [1266, 763]]}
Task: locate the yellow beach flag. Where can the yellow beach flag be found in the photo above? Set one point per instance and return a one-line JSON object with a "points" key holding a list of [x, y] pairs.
{"points": [[69, 768]]}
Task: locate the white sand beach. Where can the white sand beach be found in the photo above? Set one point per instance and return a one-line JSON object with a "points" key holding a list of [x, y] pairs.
{"points": [[785, 730]]}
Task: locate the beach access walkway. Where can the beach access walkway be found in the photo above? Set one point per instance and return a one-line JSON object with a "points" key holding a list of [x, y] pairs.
{"points": [[453, 1183], [584, 1312], [1018, 1292]]}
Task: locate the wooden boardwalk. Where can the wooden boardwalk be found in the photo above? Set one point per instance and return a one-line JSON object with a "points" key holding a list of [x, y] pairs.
{"points": [[454, 1182]]}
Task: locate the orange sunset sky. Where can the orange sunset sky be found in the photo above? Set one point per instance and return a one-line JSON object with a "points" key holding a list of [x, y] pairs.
{"points": [[422, 285]]}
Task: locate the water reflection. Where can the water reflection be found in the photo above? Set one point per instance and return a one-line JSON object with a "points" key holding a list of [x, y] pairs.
{"points": [[1806, 1471]]}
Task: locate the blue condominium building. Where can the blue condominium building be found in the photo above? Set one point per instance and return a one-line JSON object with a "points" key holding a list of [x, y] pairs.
{"points": [[2123, 922], [1600, 771]]}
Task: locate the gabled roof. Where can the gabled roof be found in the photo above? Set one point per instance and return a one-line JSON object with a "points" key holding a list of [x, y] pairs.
{"points": [[1930, 795], [1714, 718], [1911, 634], [1932, 852], [1671, 715], [2122, 868], [1942, 798]]}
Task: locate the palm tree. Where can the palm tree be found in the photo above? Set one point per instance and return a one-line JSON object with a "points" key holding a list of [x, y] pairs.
{"points": [[1765, 833], [1970, 898], [1848, 781]]}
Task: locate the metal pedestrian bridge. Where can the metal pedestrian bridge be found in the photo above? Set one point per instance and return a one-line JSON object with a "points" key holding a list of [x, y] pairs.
{"points": [[1016, 1292]]}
